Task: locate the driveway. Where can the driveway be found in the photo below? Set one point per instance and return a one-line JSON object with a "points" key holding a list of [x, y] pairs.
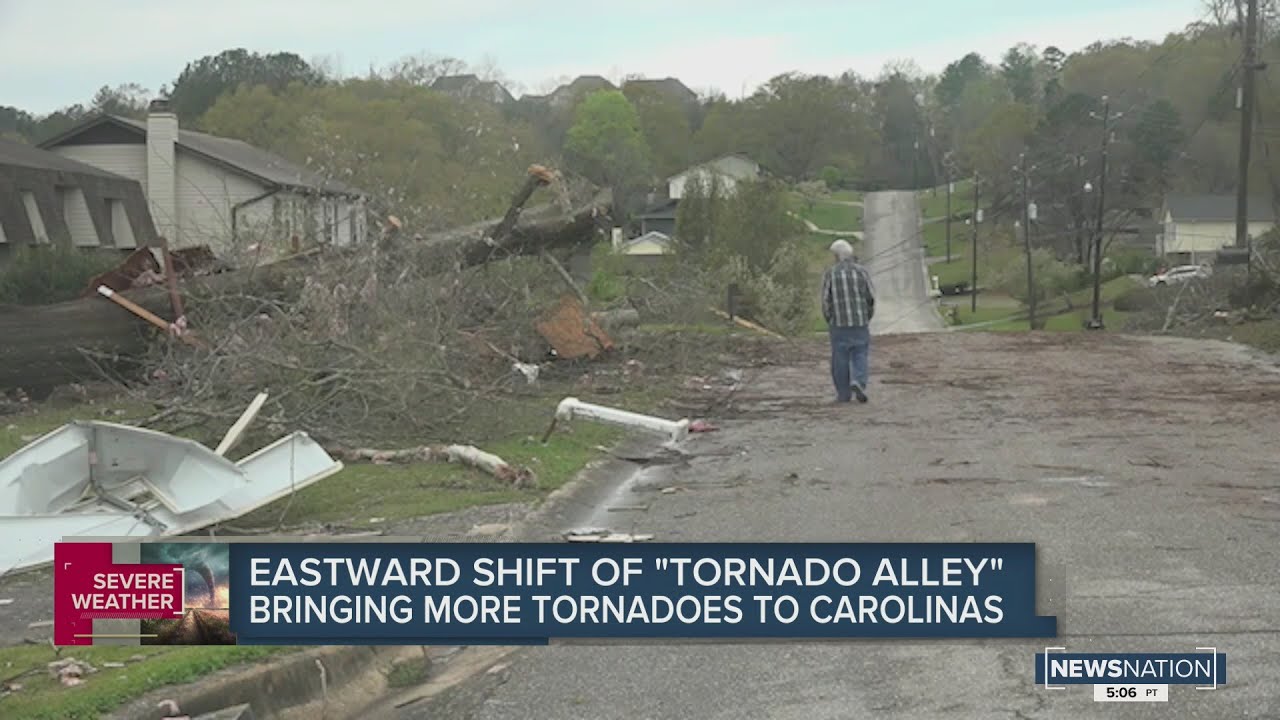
{"points": [[895, 255], [1144, 469]]}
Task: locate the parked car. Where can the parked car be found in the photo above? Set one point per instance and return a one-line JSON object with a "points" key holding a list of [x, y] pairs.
{"points": [[1181, 273]]}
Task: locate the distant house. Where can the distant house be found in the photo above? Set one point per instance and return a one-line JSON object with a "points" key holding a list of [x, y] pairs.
{"points": [[47, 198], [650, 244], [1196, 227], [471, 87], [208, 190], [669, 87], [728, 170], [567, 94], [660, 218]]}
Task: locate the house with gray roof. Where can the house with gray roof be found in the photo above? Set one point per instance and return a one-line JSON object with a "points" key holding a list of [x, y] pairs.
{"points": [[1196, 227], [471, 87], [48, 198], [203, 189]]}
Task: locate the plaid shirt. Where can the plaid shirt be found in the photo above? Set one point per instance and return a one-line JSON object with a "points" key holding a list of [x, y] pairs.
{"points": [[848, 299]]}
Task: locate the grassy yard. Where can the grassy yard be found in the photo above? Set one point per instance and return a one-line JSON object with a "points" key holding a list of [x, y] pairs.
{"points": [[847, 195], [935, 239], [362, 496], [144, 669], [935, 205], [999, 309], [828, 215]]}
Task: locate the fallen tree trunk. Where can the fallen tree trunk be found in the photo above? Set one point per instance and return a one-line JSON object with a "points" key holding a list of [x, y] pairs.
{"points": [[611, 319], [44, 345], [468, 455]]}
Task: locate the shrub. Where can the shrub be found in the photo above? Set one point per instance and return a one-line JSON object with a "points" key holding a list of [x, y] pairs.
{"points": [[44, 274], [1052, 276], [833, 177], [1137, 300]]}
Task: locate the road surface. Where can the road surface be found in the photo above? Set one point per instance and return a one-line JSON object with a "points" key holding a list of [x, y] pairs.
{"points": [[894, 252], [1144, 469]]}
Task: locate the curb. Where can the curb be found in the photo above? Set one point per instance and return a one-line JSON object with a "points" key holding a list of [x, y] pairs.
{"points": [[280, 687]]}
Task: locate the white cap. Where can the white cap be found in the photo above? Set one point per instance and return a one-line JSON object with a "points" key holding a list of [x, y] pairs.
{"points": [[842, 249]]}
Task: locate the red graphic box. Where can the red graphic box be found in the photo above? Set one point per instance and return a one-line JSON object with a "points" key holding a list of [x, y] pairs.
{"points": [[87, 585]]}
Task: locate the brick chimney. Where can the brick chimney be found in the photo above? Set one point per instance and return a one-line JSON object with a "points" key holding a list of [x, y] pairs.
{"points": [[162, 133]]}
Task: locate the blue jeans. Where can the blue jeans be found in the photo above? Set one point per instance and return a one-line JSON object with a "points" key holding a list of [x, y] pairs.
{"points": [[849, 348]]}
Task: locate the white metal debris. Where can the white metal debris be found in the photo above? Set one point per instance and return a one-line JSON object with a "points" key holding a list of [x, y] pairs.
{"points": [[604, 536], [529, 371], [101, 479], [674, 430]]}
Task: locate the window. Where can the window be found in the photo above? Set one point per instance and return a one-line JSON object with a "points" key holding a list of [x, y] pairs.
{"points": [[121, 228], [38, 232]]}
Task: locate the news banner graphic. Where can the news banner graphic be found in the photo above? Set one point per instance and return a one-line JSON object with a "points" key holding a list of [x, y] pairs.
{"points": [[1131, 677], [506, 593], [176, 593]]}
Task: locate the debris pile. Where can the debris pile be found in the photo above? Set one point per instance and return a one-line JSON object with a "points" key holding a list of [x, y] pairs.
{"points": [[70, 671]]}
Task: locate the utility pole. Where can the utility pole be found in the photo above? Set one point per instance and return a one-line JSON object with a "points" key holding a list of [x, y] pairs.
{"points": [[915, 165], [948, 214], [1079, 220], [1095, 323], [1250, 66], [1026, 236], [975, 219]]}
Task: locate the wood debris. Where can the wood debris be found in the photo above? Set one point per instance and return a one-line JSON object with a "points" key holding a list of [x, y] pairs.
{"points": [[520, 477], [572, 333]]}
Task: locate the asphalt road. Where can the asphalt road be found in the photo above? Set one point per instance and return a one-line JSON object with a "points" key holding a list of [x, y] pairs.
{"points": [[894, 252], [1144, 469]]}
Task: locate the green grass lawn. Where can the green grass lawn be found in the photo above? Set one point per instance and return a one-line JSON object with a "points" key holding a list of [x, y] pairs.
{"points": [[832, 216], [145, 669], [847, 195], [997, 307], [361, 496], [935, 205], [935, 239]]}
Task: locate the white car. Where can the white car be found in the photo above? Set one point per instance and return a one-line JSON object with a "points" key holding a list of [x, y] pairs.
{"points": [[1181, 273]]}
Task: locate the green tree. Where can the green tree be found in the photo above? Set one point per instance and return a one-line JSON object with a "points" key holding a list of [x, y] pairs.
{"points": [[606, 145], [1158, 137], [203, 81], [664, 122], [129, 100], [438, 162], [957, 76], [1020, 69], [804, 120]]}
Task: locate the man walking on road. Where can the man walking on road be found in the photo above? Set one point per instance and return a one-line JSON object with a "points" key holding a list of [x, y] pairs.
{"points": [[848, 302]]}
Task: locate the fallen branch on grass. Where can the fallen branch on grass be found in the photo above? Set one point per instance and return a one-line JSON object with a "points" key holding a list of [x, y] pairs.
{"points": [[468, 455], [742, 322]]}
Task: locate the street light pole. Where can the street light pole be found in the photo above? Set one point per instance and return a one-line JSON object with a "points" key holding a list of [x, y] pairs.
{"points": [[975, 219], [1026, 237], [948, 214], [1095, 323]]}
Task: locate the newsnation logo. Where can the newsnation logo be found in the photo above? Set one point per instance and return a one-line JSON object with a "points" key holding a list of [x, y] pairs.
{"points": [[1131, 677]]}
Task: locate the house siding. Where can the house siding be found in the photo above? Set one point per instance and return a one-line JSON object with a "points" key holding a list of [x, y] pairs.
{"points": [[79, 221], [205, 197], [1203, 239], [127, 160]]}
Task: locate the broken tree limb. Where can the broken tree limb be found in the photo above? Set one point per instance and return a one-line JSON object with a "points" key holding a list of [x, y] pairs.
{"points": [[742, 322], [173, 329], [54, 336], [623, 317], [171, 280], [467, 455], [236, 432], [565, 276]]}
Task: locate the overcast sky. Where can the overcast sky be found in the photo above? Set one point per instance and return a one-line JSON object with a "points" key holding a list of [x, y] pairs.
{"points": [[58, 52]]}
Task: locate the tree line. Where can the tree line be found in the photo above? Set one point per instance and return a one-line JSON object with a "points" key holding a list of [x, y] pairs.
{"points": [[1173, 119]]}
